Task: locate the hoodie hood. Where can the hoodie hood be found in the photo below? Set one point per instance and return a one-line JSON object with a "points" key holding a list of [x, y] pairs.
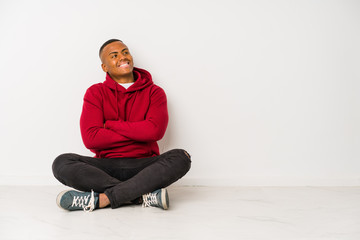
{"points": [[142, 79]]}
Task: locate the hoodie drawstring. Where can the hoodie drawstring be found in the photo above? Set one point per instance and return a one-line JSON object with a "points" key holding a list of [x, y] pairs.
{"points": [[116, 103], [131, 108]]}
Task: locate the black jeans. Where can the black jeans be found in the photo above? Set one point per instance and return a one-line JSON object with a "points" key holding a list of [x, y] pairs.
{"points": [[121, 179]]}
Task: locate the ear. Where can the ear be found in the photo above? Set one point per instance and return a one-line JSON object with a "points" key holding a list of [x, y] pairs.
{"points": [[104, 68]]}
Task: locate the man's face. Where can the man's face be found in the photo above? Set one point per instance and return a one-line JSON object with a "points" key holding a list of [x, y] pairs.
{"points": [[117, 60]]}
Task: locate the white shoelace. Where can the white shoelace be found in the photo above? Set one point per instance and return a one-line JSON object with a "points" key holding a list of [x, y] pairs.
{"points": [[91, 205], [80, 201], [149, 199]]}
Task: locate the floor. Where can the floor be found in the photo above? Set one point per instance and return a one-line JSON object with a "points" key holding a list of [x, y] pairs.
{"points": [[195, 213]]}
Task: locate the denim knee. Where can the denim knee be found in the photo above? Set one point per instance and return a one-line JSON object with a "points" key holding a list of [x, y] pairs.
{"points": [[59, 163], [183, 160], [187, 164]]}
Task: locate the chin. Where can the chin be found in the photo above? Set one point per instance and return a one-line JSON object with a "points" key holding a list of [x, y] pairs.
{"points": [[124, 72]]}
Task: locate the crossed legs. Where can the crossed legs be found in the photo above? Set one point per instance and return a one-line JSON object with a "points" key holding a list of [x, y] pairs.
{"points": [[121, 180]]}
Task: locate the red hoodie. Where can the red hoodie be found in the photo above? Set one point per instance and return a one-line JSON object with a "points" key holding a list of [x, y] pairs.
{"points": [[119, 122]]}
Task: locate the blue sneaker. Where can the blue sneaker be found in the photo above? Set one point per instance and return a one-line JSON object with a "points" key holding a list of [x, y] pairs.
{"points": [[158, 198], [73, 200]]}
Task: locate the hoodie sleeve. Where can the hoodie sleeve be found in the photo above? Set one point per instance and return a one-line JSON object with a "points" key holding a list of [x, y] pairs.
{"points": [[152, 128], [94, 135]]}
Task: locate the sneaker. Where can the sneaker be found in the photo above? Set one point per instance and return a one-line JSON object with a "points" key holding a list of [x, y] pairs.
{"points": [[73, 200], [158, 198]]}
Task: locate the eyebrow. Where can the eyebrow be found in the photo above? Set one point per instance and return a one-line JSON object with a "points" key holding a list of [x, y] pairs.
{"points": [[125, 49]]}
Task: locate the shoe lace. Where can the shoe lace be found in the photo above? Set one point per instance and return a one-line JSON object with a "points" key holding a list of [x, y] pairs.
{"points": [[78, 201], [149, 200], [91, 205]]}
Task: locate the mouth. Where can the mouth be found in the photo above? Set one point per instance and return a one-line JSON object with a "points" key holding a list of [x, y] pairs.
{"points": [[124, 64]]}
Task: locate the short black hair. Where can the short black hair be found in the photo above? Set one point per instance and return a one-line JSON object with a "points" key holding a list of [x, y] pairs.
{"points": [[107, 43]]}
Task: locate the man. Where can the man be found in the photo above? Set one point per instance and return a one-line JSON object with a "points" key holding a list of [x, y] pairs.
{"points": [[121, 121]]}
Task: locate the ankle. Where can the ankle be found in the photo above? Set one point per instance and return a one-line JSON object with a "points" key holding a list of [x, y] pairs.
{"points": [[103, 200]]}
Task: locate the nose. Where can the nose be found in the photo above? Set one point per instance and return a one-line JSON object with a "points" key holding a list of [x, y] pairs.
{"points": [[121, 57]]}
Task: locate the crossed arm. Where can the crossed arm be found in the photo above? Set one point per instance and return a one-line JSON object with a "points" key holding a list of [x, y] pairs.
{"points": [[98, 134]]}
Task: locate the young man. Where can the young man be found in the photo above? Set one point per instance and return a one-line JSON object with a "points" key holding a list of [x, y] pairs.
{"points": [[121, 121]]}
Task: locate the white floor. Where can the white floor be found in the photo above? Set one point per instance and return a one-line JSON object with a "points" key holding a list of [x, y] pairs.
{"points": [[195, 213]]}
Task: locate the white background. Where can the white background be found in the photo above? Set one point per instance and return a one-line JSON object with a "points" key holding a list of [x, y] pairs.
{"points": [[259, 92]]}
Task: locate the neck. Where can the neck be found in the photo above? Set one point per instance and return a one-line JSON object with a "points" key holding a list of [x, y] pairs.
{"points": [[124, 79]]}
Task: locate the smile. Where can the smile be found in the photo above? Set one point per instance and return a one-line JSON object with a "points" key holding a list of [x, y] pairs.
{"points": [[127, 64]]}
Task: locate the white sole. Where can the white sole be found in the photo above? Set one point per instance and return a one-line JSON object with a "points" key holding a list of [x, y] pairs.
{"points": [[163, 198]]}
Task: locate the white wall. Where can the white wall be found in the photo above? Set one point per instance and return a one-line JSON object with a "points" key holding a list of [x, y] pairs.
{"points": [[260, 92]]}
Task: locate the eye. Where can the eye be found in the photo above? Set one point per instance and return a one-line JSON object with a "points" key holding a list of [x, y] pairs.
{"points": [[114, 56]]}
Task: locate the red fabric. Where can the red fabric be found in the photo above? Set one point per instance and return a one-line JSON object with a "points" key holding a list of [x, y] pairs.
{"points": [[119, 122]]}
